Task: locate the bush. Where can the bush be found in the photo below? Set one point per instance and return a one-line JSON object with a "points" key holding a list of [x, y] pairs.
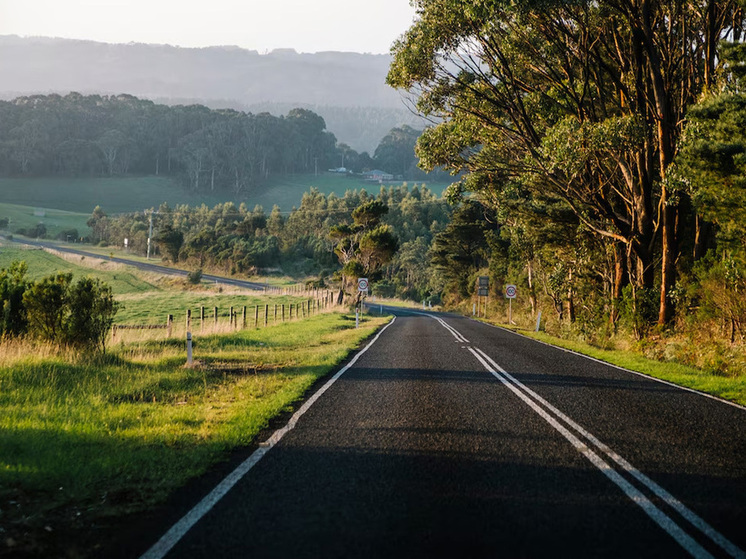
{"points": [[12, 286], [66, 234], [195, 276], [61, 312]]}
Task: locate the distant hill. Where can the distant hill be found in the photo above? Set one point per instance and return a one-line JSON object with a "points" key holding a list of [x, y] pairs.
{"points": [[347, 89]]}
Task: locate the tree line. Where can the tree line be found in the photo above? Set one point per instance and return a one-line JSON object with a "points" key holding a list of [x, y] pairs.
{"points": [[386, 236], [207, 150], [570, 121]]}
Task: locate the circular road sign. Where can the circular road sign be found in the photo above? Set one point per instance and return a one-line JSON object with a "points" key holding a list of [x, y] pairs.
{"points": [[510, 291], [362, 284]]}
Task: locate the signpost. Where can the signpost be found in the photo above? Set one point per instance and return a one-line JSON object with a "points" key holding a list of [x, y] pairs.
{"points": [[362, 289], [483, 290], [510, 292]]}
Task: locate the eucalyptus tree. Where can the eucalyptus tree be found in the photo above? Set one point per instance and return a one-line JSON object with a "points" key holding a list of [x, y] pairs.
{"points": [[583, 101]]}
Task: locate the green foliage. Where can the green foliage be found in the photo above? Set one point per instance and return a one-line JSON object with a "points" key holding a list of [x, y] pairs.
{"points": [[92, 310], [462, 247], [195, 276], [170, 240], [47, 307], [13, 284], [584, 131], [66, 313]]}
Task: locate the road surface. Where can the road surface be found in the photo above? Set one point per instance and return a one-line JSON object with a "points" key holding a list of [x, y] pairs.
{"points": [[451, 438], [145, 266]]}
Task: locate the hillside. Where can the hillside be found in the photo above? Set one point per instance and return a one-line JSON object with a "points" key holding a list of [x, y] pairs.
{"points": [[220, 77]]}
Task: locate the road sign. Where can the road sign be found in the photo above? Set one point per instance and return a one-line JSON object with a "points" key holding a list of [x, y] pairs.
{"points": [[484, 281], [483, 292], [510, 291], [362, 284]]}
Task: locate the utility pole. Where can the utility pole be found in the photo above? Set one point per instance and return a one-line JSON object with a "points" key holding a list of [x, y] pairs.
{"points": [[150, 234]]}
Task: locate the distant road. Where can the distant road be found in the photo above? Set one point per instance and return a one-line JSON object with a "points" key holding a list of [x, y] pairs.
{"points": [[451, 438], [145, 266]]}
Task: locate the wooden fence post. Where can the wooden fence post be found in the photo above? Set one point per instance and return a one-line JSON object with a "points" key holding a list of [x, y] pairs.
{"points": [[202, 318], [189, 319], [243, 317], [266, 314], [283, 312], [215, 311], [169, 324], [275, 320], [231, 318], [256, 316]]}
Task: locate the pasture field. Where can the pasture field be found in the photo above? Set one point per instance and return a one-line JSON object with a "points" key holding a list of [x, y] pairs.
{"points": [[41, 263], [147, 298], [130, 194], [55, 220], [87, 439]]}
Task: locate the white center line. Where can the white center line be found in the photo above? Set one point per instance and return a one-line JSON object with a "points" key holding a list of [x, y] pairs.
{"points": [[532, 399]]}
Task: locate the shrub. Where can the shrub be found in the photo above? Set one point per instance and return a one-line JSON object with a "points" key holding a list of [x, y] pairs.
{"points": [[61, 312], [195, 276], [68, 234], [12, 286]]}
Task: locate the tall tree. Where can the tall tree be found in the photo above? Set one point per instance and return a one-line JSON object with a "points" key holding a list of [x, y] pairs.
{"points": [[583, 100]]}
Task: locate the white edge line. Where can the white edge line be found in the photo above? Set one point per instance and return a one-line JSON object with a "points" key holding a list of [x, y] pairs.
{"points": [[178, 530], [672, 501], [634, 494], [643, 375]]}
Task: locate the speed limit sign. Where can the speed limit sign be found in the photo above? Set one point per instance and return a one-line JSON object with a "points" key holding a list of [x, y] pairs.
{"points": [[510, 291], [362, 284]]}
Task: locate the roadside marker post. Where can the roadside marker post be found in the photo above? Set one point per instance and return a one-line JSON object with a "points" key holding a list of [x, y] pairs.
{"points": [[483, 290], [190, 361], [538, 321]]}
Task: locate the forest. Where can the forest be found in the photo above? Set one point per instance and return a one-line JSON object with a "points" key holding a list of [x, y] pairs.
{"points": [[205, 149], [603, 152], [325, 237]]}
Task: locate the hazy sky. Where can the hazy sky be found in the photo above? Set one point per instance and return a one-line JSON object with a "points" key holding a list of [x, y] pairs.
{"points": [[305, 25]]}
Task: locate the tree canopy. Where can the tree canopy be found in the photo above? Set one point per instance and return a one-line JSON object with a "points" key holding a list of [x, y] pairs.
{"points": [[578, 104]]}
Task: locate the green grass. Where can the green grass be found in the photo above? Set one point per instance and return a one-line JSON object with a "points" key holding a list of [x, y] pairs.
{"points": [[86, 438], [287, 192], [42, 263], [727, 388], [24, 217], [128, 194], [154, 307], [114, 195]]}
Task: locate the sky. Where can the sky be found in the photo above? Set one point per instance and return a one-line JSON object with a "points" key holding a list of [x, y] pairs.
{"points": [[305, 25]]}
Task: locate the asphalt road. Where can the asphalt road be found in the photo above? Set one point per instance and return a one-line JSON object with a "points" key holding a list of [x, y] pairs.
{"points": [[146, 266], [451, 438]]}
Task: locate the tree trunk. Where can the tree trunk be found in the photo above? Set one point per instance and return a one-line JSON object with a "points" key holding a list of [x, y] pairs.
{"points": [[531, 288], [620, 281], [703, 230]]}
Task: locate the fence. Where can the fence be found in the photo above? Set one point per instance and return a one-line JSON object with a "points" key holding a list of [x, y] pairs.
{"points": [[213, 319]]}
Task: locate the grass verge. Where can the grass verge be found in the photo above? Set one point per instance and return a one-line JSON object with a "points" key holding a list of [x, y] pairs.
{"points": [[728, 388], [84, 438]]}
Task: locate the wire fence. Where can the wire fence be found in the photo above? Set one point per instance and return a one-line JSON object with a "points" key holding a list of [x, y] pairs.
{"points": [[212, 320]]}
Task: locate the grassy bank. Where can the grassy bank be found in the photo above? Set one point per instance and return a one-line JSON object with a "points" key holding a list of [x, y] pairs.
{"points": [[55, 220], [86, 438], [732, 388], [42, 263]]}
